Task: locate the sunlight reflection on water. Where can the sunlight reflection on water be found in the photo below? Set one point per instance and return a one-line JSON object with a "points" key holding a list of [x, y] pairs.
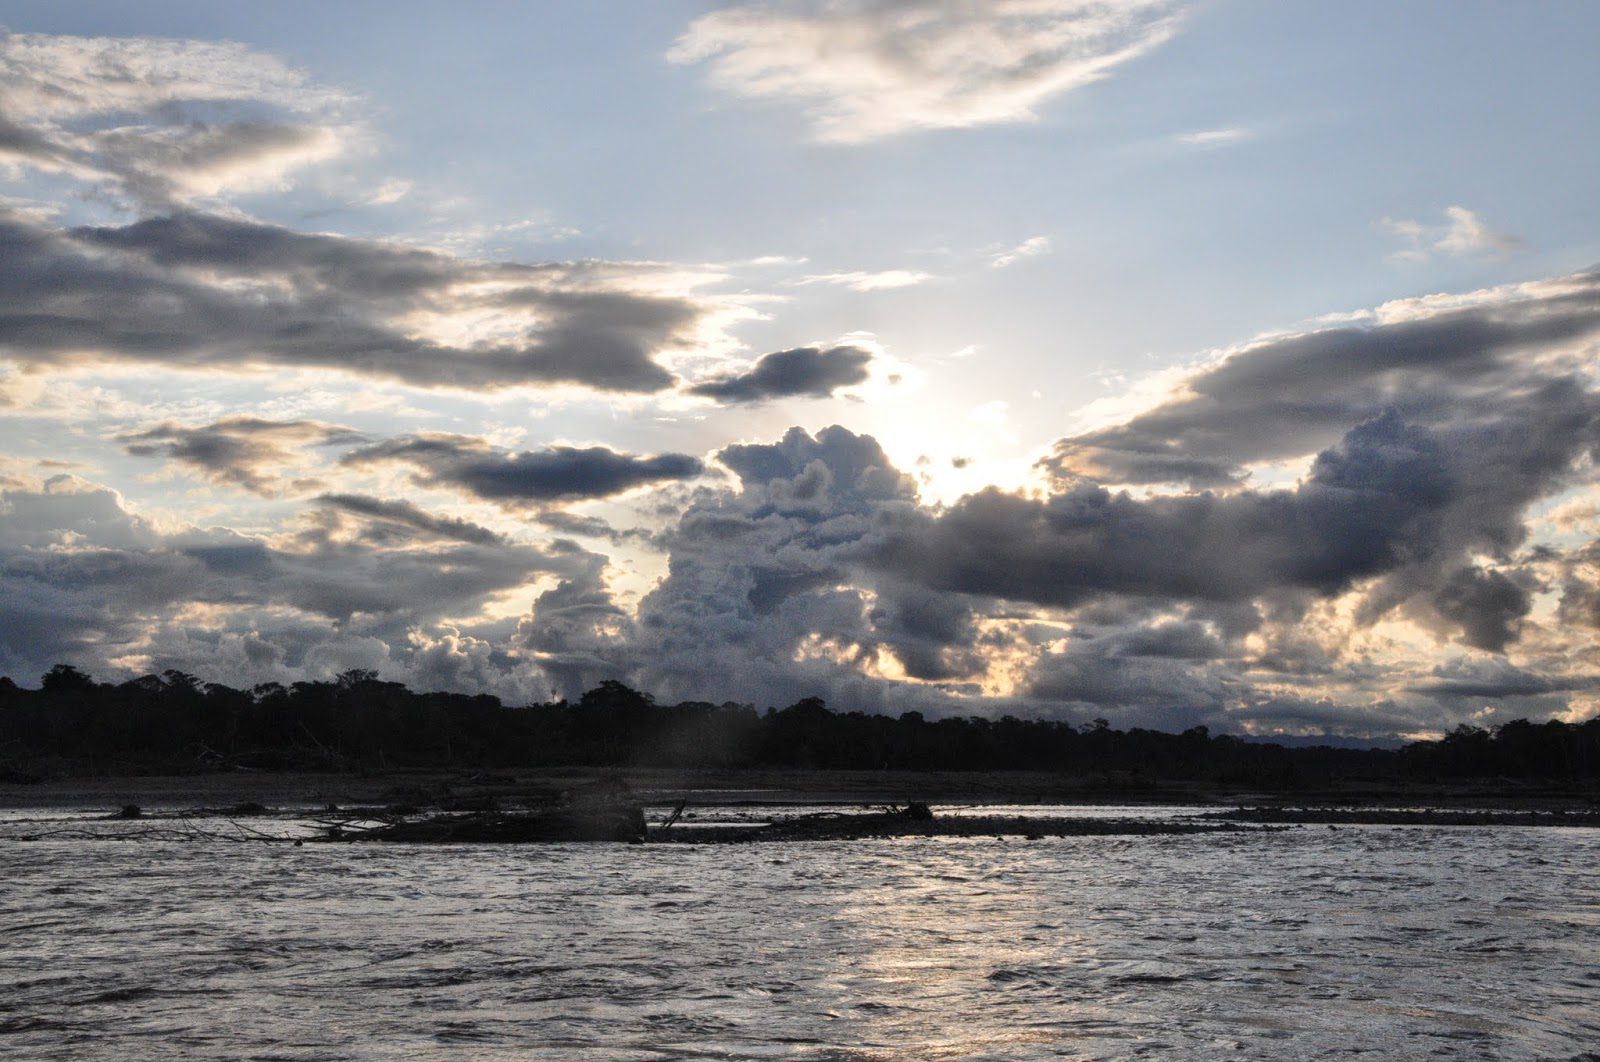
{"points": [[1390, 942]]}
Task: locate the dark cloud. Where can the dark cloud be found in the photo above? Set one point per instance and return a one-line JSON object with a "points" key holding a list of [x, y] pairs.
{"points": [[245, 452], [1580, 589], [529, 478], [403, 519], [196, 291], [566, 523], [1369, 503], [837, 467], [1438, 431], [1487, 606], [1178, 640], [1179, 693], [807, 372], [1511, 684], [1289, 396], [20, 144], [1395, 508]]}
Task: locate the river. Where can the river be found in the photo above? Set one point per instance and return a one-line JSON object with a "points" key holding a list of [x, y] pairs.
{"points": [[1382, 942]]}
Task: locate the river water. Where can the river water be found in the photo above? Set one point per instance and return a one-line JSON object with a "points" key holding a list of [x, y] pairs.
{"points": [[1382, 942]]}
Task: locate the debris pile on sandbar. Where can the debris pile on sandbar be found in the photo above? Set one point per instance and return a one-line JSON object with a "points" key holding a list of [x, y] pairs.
{"points": [[609, 812]]}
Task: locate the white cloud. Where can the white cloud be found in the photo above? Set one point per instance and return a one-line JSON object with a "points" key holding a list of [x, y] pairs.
{"points": [[1032, 247], [162, 121], [390, 191], [1462, 235], [864, 69], [61, 78], [1214, 137], [1467, 234], [865, 281]]}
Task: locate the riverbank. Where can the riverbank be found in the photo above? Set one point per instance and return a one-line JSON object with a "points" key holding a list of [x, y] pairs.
{"points": [[467, 790]]}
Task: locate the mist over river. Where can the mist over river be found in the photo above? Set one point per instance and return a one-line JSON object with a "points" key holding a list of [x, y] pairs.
{"points": [[1382, 942]]}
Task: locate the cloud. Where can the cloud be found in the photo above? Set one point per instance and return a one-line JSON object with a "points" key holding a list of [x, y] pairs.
{"points": [[568, 523], [866, 69], [1210, 138], [1498, 355], [881, 281], [1495, 680], [1371, 501], [809, 372], [1487, 606], [1032, 247], [1463, 235], [763, 597], [1429, 432], [251, 453], [1468, 235], [390, 519], [83, 578], [203, 292], [1580, 596], [575, 632], [244, 452], [823, 570], [391, 191], [1411, 575], [1171, 640], [161, 122], [473, 467]]}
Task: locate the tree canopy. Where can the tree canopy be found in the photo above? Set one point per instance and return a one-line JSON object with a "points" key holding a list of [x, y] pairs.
{"points": [[176, 721]]}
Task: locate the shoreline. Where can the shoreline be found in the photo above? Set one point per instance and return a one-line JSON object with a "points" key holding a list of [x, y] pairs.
{"points": [[464, 789]]}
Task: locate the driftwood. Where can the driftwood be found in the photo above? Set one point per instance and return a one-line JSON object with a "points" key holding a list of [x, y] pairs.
{"points": [[608, 813], [677, 813], [847, 826], [493, 827], [1410, 817], [605, 811]]}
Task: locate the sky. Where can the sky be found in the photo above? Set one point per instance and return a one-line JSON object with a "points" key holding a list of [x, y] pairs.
{"points": [[1222, 362]]}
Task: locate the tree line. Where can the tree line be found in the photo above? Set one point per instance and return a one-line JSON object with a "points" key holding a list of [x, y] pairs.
{"points": [[174, 722]]}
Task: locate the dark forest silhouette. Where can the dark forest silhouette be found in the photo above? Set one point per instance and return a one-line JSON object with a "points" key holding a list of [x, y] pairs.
{"points": [[176, 722]]}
